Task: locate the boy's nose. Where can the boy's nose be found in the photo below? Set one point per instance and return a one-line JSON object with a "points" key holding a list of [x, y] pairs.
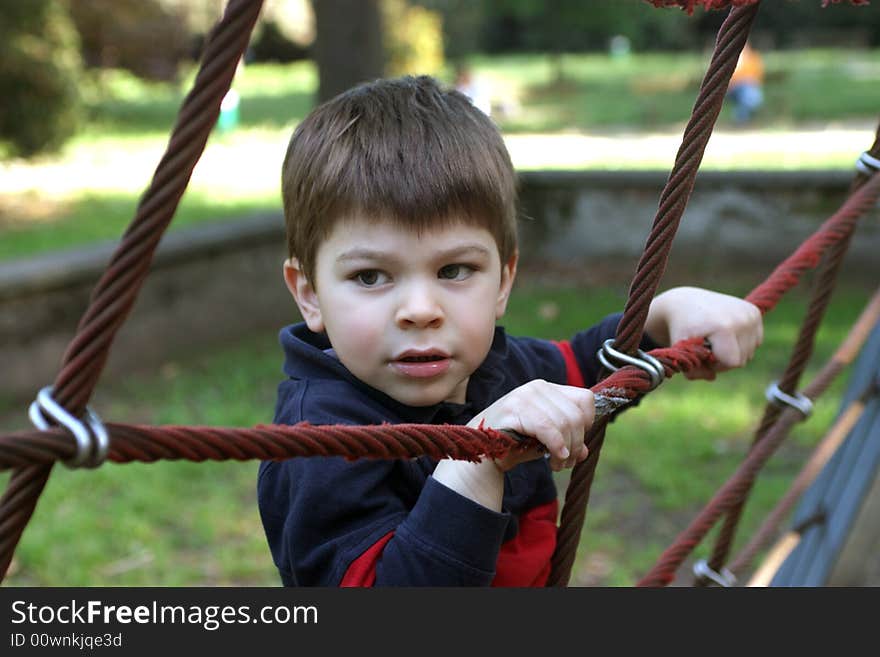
{"points": [[418, 309]]}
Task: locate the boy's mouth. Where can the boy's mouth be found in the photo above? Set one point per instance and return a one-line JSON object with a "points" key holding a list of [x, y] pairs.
{"points": [[421, 364], [421, 356]]}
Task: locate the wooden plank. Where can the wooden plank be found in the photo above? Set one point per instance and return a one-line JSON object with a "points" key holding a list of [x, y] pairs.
{"points": [[840, 550]]}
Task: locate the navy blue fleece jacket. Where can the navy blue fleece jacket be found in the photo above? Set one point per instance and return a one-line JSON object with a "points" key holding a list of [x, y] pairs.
{"points": [[332, 522]]}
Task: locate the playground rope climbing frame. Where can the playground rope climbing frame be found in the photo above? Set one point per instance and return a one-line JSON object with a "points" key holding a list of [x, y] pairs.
{"points": [[71, 432]]}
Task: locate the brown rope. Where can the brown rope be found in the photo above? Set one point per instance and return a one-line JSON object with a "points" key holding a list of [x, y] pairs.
{"points": [[801, 354], [146, 444], [811, 469], [732, 36], [116, 291], [729, 494]]}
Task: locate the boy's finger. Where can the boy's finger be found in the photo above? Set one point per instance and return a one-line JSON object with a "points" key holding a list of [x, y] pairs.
{"points": [[700, 373], [726, 349], [583, 399]]}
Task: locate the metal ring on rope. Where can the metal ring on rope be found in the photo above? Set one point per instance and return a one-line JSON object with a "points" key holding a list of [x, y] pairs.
{"points": [[724, 578], [868, 164], [645, 362], [89, 453], [797, 401]]}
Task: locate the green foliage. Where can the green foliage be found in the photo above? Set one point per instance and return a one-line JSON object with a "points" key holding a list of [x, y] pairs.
{"points": [[574, 26], [494, 26], [806, 24], [40, 71], [130, 120], [657, 90], [413, 38], [463, 25]]}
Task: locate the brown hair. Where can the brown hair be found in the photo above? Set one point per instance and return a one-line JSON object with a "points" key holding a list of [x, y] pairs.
{"points": [[404, 150]]}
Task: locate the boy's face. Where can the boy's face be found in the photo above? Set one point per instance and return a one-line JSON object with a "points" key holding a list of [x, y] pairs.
{"points": [[412, 315]]}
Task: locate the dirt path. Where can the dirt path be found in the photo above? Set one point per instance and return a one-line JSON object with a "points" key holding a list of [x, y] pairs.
{"points": [[247, 163], [791, 149]]}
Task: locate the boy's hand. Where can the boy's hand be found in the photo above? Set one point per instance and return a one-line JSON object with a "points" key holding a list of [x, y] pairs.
{"points": [[557, 416], [733, 327]]}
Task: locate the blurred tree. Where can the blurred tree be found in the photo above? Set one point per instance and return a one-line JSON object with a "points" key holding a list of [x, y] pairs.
{"points": [[40, 71], [361, 40], [270, 44], [463, 25], [142, 36], [348, 44], [413, 38]]}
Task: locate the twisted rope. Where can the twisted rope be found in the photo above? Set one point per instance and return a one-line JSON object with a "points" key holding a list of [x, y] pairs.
{"points": [[731, 492], [32, 453], [731, 38], [800, 357], [146, 444], [765, 296], [116, 291], [769, 529], [29, 451]]}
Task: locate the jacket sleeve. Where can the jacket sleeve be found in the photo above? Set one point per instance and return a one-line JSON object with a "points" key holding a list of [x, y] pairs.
{"points": [[332, 522]]}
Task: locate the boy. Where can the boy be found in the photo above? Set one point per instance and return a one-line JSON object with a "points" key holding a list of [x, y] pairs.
{"points": [[399, 199]]}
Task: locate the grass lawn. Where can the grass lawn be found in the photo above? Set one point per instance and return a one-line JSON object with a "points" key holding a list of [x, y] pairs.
{"points": [[656, 91], [619, 114], [183, 523]]}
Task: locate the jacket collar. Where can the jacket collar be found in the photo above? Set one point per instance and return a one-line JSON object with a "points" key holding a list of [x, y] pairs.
{"points": [[309, 355]]}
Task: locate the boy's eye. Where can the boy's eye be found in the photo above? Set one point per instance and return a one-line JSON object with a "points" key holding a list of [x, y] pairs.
{"points": [[371, 277], [455, 272]]}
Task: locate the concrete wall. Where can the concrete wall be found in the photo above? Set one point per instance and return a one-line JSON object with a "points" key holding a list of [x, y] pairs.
{"points": [[731, 217], [215, 283]]}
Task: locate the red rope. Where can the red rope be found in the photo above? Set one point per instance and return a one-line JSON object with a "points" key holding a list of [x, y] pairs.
{"points": [[116, 291], [130, 442], [146, 444], [820, 298], [732, 491], [810, 252], [730, 40], [690, 5]]}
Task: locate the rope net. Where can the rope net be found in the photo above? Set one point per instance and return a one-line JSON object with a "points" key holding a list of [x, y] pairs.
{"points": [[31, 454]]}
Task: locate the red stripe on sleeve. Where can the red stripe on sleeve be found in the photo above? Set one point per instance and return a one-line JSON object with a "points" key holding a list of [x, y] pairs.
{"points": [[524, 560], [362, 571], [572, 371]]}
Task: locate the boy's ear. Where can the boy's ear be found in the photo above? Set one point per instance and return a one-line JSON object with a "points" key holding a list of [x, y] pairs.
{"points": [[303, 293], [508, 274]]}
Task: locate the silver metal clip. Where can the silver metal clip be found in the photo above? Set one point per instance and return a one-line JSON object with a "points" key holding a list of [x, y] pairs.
{"points": [[725, 578], [645, 362], [799, 401], [89, 453], [867, 164]]}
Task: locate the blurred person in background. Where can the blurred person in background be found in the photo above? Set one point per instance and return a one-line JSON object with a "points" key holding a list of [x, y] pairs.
{"points": [[746, 85], [475, 89]]}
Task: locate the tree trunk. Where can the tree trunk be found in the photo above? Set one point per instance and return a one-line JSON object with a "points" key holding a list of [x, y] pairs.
{"points": [[348, 44]]}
